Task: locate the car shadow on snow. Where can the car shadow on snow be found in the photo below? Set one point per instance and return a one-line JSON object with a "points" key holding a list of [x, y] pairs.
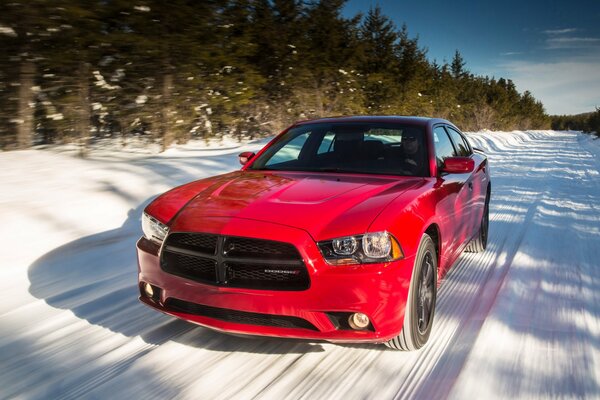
{"points": [[96, 278]]}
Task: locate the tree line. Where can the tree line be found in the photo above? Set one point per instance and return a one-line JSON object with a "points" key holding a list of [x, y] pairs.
{"points": [[586, 122], [172, 71]]}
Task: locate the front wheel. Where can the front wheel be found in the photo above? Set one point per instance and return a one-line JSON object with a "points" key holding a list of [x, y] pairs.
{"points": [[420, 305], [479, 242]]}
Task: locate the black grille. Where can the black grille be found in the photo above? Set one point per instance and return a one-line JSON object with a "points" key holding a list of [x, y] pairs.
{"points": [[195, 268], [266, 276], [244, 247], [235, 261], [240, 317], [201, 242]]}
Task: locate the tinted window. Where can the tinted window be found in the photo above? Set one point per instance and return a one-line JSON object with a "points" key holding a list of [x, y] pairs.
{"points": [[467, 144], [443, 146], [462, 147], [291, 151], [362, 147], [326, 145]]}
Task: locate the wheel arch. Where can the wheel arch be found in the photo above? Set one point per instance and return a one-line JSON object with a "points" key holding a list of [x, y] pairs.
{"points": [[433, 230]]}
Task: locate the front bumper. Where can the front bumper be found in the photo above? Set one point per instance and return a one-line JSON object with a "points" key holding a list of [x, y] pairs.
{"points": [[377, 290]]}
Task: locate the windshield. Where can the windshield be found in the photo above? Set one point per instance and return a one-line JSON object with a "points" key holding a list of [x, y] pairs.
{"points": [[370, 148]]}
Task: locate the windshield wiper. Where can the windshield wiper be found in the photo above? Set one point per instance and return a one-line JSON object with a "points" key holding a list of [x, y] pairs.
{"points": [[324, 169], [328, 169], [335, 169]]}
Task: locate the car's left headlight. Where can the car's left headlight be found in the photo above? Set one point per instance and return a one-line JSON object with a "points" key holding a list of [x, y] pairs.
{"points": [[154, 229], [373, 247]]}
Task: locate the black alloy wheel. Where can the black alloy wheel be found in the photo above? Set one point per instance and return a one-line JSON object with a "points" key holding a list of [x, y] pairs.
{"points": [[420, 304], [479, 242], [426, 294]]}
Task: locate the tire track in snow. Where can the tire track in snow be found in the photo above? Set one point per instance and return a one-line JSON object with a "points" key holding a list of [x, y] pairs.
{"points": [[525, 310], [484, 274]]}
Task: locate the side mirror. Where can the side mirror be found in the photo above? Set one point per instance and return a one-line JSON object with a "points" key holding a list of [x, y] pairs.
{"points": [[245, 157], [458, 165]]}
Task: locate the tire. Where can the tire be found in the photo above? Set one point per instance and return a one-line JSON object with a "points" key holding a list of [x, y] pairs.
{"points": [[479, 242], [420, 305]]}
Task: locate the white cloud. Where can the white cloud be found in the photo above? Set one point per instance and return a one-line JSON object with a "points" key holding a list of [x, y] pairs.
{"points": [[559, 31], [565, 87], [564, 39], [572, 42]]}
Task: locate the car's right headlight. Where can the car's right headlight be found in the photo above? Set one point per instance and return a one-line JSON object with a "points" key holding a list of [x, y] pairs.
{"points": [[154, 229], [375, 247]]}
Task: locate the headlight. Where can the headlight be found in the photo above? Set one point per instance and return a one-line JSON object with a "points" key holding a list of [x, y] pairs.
{"points": [[345, 246], [361, 249], [153, 229], [377, 245]]}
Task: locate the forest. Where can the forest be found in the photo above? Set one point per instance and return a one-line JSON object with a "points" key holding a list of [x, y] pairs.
{"points": [[586, 122], [168, 72]]}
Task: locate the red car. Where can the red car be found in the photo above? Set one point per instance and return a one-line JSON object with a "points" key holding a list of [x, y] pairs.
{"points": [[339, 229]]}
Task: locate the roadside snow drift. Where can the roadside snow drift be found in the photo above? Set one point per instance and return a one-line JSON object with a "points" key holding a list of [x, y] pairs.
{"points": [[520, 320]]}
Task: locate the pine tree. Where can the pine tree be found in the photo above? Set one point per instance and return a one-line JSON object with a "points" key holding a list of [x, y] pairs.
{"points": [[594, 122], [379, 63], [332, 86], [457, 67], [26, 29], [414, 76]]}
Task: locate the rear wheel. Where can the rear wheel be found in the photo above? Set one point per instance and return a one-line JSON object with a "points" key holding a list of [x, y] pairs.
{"points": [[479, 242], [420, 305]]}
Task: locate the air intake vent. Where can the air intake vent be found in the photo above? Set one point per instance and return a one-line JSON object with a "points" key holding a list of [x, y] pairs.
{"points": [[240, 317]]}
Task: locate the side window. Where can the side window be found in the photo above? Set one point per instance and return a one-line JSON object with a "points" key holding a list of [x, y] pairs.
{"points": [[326, 145], [443, 146], [467, 144], [291, 151], [462, 147]]}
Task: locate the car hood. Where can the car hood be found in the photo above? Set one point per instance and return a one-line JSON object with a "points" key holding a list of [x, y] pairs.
{"points": [[324, 205]]}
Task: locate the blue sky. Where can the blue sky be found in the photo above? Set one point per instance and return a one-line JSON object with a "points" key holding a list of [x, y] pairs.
{"points": [[551, 48]]}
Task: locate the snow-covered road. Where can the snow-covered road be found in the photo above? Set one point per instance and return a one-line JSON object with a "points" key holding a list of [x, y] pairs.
{"points": [[519, 320]]}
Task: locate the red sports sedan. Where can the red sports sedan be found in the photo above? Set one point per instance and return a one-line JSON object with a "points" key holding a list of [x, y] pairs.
{"points": [[339, 229]]}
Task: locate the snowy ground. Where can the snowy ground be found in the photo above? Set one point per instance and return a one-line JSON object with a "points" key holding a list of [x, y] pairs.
{"points": [[519, 320]]}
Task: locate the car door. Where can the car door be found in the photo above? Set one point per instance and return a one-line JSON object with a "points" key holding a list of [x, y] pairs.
{"points": [[473, 181], [453, 198]]}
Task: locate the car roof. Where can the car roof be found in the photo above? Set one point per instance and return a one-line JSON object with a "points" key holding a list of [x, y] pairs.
{"points": [[410, 120]]}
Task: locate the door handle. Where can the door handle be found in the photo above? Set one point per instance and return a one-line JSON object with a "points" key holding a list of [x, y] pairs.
{"points": [[470, 185]]}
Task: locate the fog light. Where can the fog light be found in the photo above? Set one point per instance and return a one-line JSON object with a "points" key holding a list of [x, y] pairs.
{"points": [[358, 321], [148, 290]]}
